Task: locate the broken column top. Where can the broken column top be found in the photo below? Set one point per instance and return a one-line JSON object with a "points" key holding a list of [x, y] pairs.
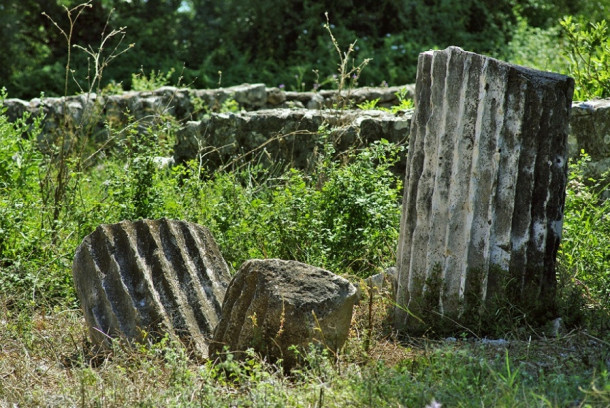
{"points": [[540, 78]]}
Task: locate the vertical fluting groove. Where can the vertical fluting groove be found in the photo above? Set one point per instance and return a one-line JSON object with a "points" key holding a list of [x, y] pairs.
{"points": [[522, 215], [112, 323], [496, 121], [135, 278], [114, 288], [556, 204], [211, 295], [509, 149], [141, 268], [101, 317], [196, 300], [471, 207], [435, 253], [413, 172], [217, 272], [426, 187], [419, 186], [461, 221], [196, 247], [173, 275], [161, 276], [237, 303], [455, 241], [537, 243]]}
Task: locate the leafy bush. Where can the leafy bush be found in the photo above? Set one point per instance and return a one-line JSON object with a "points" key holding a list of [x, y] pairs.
{"points": [[247, 41], [19, 171], [403, 103], [584, 256], [29, 258], [138, 174], [588, 52], [155, 80], [535, 47], [342, 216]]}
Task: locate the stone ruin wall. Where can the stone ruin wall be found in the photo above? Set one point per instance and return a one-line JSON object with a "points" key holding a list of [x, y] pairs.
{"points": [[196, 109]]}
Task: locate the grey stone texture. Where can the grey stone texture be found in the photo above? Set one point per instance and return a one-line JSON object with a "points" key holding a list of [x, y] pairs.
{"points": [[273, 304], [272, 125], [150, 277], [484, 190], [283, 135], [188, 104], [590, 131], [590, 121]]}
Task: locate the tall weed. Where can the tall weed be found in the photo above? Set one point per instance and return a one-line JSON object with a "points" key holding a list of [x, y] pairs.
{"points": [[27, 252]]}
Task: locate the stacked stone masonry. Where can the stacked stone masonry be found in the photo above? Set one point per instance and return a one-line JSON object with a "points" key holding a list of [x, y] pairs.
{"points": [[590, 121]]}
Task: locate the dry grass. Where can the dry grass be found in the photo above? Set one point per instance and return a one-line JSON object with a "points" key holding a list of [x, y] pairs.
{"points": [[47, 360]]}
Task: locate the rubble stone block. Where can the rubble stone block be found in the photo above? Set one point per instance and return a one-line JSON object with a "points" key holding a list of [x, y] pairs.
{"points": [[283, 135], [273, 304]]}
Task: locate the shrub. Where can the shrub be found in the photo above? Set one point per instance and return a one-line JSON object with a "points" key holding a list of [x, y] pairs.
{"points": [[19, 169], [342, 216], [535, 47], [584, 256], [588, 53]]}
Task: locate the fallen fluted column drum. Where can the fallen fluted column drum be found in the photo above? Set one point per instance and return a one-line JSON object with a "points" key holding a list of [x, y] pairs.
{"points": [[484, 192], [150, 278]]}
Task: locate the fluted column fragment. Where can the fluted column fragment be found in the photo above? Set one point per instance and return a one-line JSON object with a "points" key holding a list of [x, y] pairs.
{"points": [[149, 277], [484, 190]]}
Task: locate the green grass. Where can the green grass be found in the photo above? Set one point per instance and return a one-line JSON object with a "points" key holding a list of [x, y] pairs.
{"points": [[343, 215]]}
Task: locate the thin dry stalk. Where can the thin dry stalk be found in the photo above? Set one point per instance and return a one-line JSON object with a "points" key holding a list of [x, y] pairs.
{"points": [[346, 73]]}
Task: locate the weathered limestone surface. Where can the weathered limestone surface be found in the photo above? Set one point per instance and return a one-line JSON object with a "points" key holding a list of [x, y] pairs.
{"points": [[153, 276], [589, 122], [188, 104], [289, 135], [267, 113], [590, 131], [273, 304], [484, 189]]}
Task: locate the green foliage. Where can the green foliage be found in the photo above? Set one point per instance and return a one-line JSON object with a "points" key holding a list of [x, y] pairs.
{"points": [[342, 216], [27, 228], [360, 209], [156, 79], [535, 47], [369, 105], [226, 106], [584, 255], [403, 103], [19, 168], [588, 53], [254, 41], [461, 373]]}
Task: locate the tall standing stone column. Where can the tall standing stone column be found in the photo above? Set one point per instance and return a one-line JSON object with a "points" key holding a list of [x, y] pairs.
{"points": [[484, 191]]}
